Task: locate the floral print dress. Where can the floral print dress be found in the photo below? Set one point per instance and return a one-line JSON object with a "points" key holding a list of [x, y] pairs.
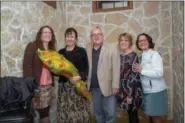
{"points": [[130, 83]]}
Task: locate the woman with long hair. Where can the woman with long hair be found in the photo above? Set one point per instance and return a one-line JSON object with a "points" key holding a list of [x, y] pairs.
{"points": [[33, 67]]}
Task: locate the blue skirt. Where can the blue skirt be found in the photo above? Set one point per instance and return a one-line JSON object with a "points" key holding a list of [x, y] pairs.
{"points": [[155, 104]]}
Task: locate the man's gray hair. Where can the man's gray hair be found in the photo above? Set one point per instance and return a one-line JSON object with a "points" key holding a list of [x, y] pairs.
{"points": [[96, 27]]}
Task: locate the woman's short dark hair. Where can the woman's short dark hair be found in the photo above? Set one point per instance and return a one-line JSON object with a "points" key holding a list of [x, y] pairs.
{"points": [[149, 39], [69, 31]]}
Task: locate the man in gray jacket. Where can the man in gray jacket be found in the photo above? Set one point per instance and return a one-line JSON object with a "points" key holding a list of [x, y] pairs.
{"points": [[103, 79]]}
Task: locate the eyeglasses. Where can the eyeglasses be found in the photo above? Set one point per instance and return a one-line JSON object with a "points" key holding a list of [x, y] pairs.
{"points": [[98, 34], [140, 41], [46, 32]]}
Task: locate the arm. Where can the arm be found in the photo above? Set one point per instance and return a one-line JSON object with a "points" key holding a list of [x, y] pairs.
{"points": [[85, 69], [27, 60], [133, 77], [156, 71], [54, 74], [115, 67]]}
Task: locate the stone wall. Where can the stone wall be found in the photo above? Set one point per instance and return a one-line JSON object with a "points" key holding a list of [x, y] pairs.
{"points": [[150, 17], [20, 22], [177, 60]]}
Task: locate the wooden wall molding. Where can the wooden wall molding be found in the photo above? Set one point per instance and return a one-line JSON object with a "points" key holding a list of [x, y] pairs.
{"points": [[51, 3]]}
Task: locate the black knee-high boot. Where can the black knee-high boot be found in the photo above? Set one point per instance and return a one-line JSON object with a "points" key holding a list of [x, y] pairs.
{"points": [[151, 121], [44, 115], [133, 116]]}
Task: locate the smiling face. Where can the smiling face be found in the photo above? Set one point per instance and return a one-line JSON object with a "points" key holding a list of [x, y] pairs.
{"points": [[70, 39], [97, 36], [46, 35], [124, 43], [143, 42]]}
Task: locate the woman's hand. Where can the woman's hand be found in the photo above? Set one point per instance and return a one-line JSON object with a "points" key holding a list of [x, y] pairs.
{"points": [[137, 68], [129, 100], [75, 79], [34, 103]]}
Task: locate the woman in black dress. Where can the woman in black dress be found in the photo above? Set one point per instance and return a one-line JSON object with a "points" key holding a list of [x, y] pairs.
{"points": [[130, 94], [72, 108]]}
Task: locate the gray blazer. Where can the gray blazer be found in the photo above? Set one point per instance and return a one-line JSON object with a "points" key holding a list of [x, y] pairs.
{"points": [[108, 71]]}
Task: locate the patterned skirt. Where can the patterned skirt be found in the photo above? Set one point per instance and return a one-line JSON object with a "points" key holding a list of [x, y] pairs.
{"points": [[71, 108], [44, 97]]}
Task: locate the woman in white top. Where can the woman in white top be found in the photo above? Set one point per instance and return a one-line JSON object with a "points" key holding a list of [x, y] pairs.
{"points": [[151, 74]]}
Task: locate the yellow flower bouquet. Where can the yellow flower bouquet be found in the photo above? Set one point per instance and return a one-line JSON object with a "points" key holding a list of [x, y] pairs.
{"points": [[58, 64]]}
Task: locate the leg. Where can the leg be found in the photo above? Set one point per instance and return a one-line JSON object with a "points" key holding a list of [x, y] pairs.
{"points": [[133, 116], [156, 106], [97, 105], [157, 119], [150, 119], [44, 115], [109, 107]]}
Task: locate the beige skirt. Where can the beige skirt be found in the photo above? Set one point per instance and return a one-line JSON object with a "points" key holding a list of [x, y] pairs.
{"points": [[43, 97]]}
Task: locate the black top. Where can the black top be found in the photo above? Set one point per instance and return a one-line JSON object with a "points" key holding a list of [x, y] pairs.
{"points": [[78, 57], [95, 59]]}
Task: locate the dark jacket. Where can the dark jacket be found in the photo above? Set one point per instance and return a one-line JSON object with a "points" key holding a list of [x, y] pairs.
{"points": [[78, 57], [14, 90], [32, 65]]}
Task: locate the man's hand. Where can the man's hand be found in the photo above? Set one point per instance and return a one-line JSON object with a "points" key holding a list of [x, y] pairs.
{"points": [[75, 79], [114, 91]]}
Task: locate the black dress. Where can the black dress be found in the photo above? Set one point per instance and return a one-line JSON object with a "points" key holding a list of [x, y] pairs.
{"points": [[71, 107]]}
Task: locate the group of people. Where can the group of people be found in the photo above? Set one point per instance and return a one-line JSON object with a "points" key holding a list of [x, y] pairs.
{"points": [[114, 73]]}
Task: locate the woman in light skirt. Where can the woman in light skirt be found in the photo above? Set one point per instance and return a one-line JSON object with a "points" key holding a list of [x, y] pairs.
{"points": [[151, 74]]}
